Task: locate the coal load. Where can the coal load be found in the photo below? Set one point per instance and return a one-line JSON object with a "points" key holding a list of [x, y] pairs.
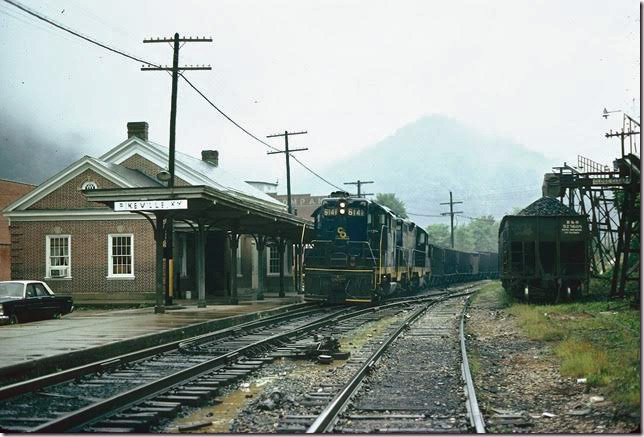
{"points": [[546, 207]]}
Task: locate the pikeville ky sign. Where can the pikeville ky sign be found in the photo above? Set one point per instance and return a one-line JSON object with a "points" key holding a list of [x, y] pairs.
{"points": [[148, 205]]}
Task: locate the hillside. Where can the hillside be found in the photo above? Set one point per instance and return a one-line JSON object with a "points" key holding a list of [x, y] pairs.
{"points": [[422, 161]]}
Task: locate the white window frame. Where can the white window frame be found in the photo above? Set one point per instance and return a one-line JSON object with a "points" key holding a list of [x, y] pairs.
{"points": [[110, 265], [287, 269], [87, 184], [48, 257]]}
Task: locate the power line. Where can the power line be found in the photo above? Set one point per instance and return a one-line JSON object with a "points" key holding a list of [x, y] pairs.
{"points": [[66, 29], [451, 213], [360, 183], [223, 113], [287, 154], [253, 136], [134, 58], [423, 215], [314, 173]]}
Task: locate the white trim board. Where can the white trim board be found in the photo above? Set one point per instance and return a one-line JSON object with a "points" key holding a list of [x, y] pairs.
{"points": [[70, 215], [60, 178]]}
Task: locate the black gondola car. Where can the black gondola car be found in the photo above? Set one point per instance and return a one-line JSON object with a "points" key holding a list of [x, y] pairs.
{"points": [[544, 251]]}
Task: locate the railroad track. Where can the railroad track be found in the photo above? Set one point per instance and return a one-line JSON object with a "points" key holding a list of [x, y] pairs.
{"points": [[72, 399], [410, 381], [134, 392]]}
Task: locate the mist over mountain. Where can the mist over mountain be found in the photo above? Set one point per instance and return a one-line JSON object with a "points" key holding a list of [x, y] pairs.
{"points": [[28, 155], [422, 161]]}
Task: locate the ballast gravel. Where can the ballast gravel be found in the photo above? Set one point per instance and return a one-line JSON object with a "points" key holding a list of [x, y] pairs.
{"points": [[519, 386]]}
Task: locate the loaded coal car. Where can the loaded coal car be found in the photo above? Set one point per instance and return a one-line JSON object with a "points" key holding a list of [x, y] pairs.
{"points": [[437, 266], [544, 252], [488, 265]]}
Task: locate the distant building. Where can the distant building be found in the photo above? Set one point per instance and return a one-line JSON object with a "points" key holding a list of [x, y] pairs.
{"points": [[303, 204], [9, 192], [88, 250]]}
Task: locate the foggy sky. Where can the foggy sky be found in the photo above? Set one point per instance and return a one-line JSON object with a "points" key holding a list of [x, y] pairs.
{"points": [[349, 72]]}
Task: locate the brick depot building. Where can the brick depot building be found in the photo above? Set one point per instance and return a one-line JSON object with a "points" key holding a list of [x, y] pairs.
{"points": [[9, 192], [88, 250]]}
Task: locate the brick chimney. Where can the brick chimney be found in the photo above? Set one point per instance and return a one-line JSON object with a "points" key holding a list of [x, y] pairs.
{"points": [[138, 129], [211, 157]]}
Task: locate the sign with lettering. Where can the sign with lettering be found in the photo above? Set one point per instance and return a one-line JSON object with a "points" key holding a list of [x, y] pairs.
{"points": [[610, 181], [149, 205], [571, 227]]}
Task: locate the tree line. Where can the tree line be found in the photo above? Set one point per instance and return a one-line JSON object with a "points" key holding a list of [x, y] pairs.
{"points": [[479, 235]]}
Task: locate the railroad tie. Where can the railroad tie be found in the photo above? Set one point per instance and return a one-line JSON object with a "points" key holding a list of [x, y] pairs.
{"points": [[291, 428], [138, 425], [160, 411], [183, 400], [161, 404], [152, 418], [110, 430]]}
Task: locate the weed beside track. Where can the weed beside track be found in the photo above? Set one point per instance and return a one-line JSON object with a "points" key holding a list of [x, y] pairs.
{"points": [[570, 367]]}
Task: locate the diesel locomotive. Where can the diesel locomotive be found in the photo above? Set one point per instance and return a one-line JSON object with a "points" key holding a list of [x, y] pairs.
{"points": [[363, 253]]}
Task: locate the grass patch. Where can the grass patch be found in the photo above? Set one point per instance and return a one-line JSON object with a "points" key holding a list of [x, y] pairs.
{"points": [[474, 361], [493, 293], [595, 339]]}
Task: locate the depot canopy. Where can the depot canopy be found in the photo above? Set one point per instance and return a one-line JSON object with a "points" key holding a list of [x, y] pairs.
{"points": [[213, 207]]}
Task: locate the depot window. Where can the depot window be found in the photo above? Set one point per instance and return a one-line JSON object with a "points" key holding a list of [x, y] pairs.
{"points": [[273, 261], [58, 258], [120, 253]]}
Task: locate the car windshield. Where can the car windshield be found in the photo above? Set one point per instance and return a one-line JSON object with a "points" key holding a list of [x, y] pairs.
{"points": [[11, 289]]}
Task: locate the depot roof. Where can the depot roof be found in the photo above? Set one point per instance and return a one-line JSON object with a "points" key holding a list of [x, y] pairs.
{"points": [[213, 208]]}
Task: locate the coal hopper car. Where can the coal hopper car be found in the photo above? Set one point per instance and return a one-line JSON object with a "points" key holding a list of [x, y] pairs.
{"points": [[544, 252]]}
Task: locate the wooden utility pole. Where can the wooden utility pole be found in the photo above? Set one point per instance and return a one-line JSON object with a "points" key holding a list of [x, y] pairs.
{"points": [[173, 121], [286, 152], [451, 213], [360, 183]]}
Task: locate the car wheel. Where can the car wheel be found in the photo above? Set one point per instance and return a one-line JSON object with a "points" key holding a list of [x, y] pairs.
{"points": [[56, 316], [13, 320]]}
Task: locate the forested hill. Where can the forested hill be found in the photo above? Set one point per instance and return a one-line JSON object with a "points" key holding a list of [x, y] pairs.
{"points": [[422, 161]]}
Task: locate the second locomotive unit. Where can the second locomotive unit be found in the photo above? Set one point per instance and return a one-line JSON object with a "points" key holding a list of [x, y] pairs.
{"points": [[363, 252]]}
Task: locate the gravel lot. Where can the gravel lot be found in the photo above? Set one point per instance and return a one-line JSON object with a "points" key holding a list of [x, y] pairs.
{"points": [[519, 386]]}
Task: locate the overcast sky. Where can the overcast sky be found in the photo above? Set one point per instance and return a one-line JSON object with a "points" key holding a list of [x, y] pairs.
{"points": [[349, 72]]}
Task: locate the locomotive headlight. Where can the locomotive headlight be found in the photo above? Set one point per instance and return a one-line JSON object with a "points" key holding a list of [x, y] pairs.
{"points": [[342, 211], [342, 205]]}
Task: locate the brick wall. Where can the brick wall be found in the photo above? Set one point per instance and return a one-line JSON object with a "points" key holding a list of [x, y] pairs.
{"points": [[69, 195], [89, 254], [137, 162], [9, 192]]}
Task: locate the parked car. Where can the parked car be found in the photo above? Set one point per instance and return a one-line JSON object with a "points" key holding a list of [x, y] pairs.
{"points": [[21, 301]]}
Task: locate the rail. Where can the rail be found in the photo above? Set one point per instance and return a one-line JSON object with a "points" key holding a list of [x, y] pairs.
{"points": [[476, 419], [18, 388], [324, 422], [102, 409]]}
